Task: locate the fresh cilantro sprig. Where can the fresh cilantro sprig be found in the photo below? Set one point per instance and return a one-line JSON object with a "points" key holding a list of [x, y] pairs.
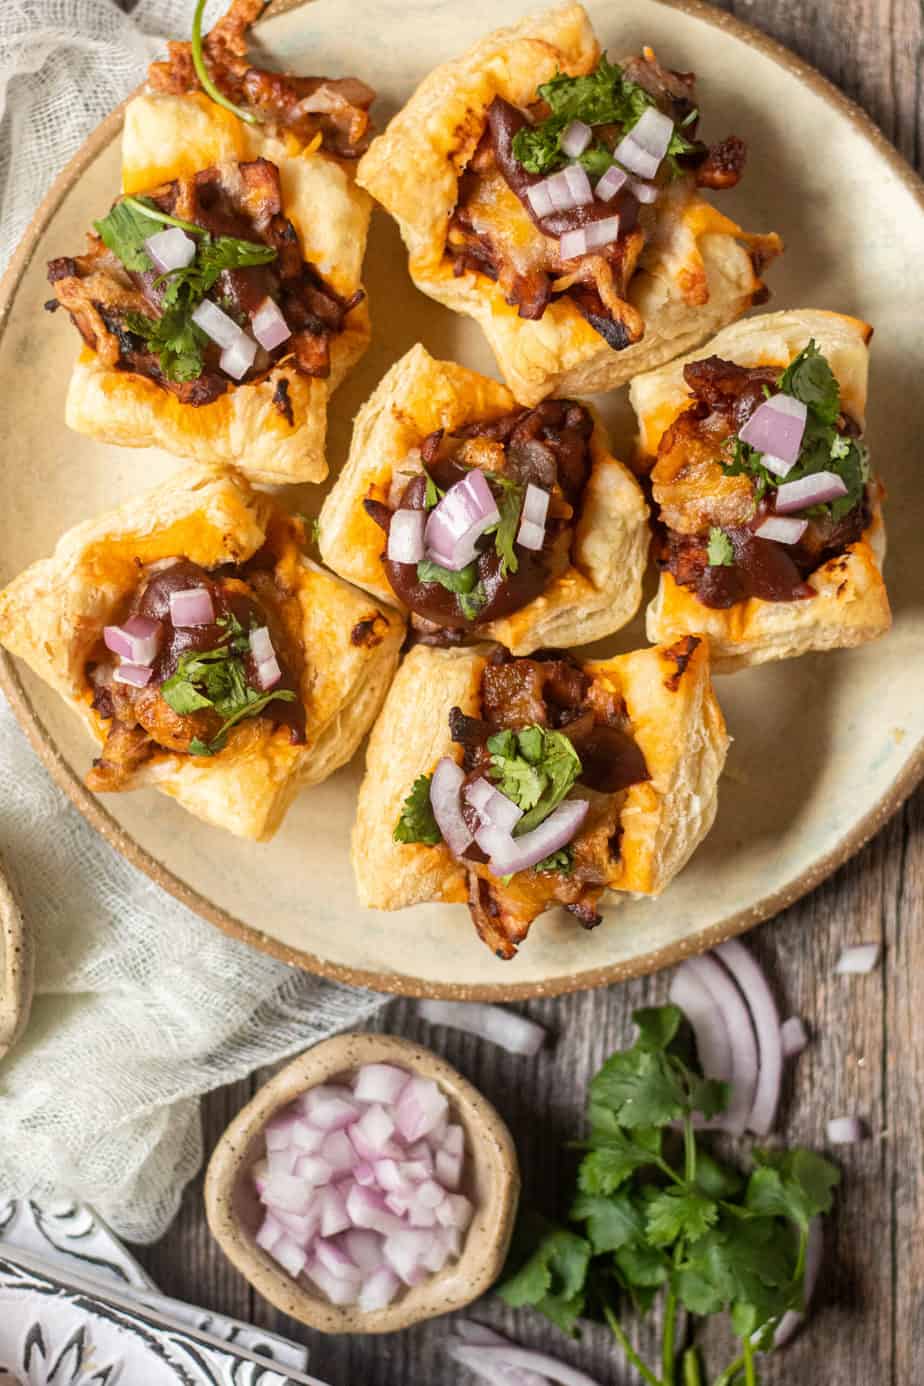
{"points": [[602, 97], [417, 822], [465, 582], [720, 550], [535, 768], [659, 1214], [202, 72]]}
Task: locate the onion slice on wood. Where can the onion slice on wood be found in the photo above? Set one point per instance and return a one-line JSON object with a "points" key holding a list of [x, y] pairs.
{"points": [[860, 959], [713, 1046], [512, 1032], [793, 1037], [479, 1358], [846, 1130], [730, 1002], [766, 1019]]}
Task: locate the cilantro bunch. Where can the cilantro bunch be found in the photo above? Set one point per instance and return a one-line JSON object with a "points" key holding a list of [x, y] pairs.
{"points": [[656, 1214], [602, 97]]}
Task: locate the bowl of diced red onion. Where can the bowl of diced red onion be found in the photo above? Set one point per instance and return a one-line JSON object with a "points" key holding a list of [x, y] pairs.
{"points": [[367, 1186]]}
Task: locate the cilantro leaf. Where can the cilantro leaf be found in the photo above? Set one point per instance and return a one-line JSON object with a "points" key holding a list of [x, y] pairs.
{"points": [[552, 1267], [510, 504], [656, 1025], [679, 1212], [216, 679], [794, 1184], [560, 862], [611, 1222], [535, 768], [417, 822], [471, 603], [642, 1266], [809, 378], [124, 231], [642, 1088], [174, 338], [432, 494], [721, 551], [462, 581]]}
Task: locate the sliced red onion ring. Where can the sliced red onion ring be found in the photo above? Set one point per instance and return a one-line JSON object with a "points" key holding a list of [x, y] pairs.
{"points": [[575, 138], [862, 958], [512, 854], [171, 249], [728, 999], [531, 533], [846, 1130], [512, 1032], [192, 607], [269, 326], [793, 1037], [766, 1019], [777, 426], [646, 144], [817, 489], [793, 1319], [540, 199], [579, 185], [478, 1358], [494, 808], [781, 529], [135, 675], [237, 359], [215, 323], [445, 800], [137, 640], [458, 521], [713, 1046], [642, 191], [611, 183], [406, 536]]}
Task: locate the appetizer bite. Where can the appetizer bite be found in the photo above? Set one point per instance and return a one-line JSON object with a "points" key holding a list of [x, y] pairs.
{"points": [[220, 300], [483, 519], [552, 195], [519, 784], [770, 537], [205, 653]]}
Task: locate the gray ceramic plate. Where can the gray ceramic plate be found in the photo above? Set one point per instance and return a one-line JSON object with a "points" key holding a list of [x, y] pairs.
{"points": [[825, 747]]}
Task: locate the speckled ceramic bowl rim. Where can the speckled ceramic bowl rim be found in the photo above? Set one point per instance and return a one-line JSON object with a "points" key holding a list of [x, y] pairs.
{"points": [[490, 1148], [400, 983], [17, 971]]}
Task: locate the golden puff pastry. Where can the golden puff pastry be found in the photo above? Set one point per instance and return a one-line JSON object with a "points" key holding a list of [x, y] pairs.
{"points": [[342, 647], [598, 587], [845, 601], [654, 711], [692, 270], [272, 427]]}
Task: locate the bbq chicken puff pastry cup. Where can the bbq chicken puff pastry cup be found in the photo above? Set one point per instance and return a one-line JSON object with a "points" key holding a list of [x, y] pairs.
{"points": [[544, 533], [518, 784], [770, 556], [582, 268], [208, 657], [222, 339]]}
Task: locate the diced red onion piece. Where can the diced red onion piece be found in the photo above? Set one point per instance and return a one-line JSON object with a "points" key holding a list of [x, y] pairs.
{"points": [[793, 1037], [642, 191], [579, 185], [366, 1208], [505, 1028], [338, 1152], [540, 199], [728, 999], [448, 1169], [138, 640], [406, 536], [330, 1113], [436, 1258], [530, 536], [846, 1130], [261, 644], [646, 144], [422, 1106], [287, 1192], [278, 1132], [334, 1259], [422, 1151], [573, 244], [313, 1170], [445, 800], [601, 233], [612, 181], [416, 1171], [511, 854], [375, 1126], [324, 1093], [458, 521], [380, 1083], [777, 426], [575, 138], [793, 1319], [389, 1177], [531, 533], [269, 326], [405, 1251], [862, 958], [494, 808], [781, 529], [480, 793], [301, 1227], [216, 324], [560, 192], [270, 1233], [237, 359], [290, 1256], [171, 249], [766, 1020], [364, 1174], [339, 1292], [134, 675], [365, 1249], [283, 1161], [334, 1216], [192, 607], [378, 1290], [776, 465], [455, 1211], [479, 1358], [268, 674], [307, 1139], [713, 1046], [817, 489]]}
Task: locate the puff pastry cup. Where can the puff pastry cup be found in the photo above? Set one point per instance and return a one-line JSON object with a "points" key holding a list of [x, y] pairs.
{"points": [[590, 591], [342, 646], [659, 704], [271, 425], [697, 269], [845, 602]]}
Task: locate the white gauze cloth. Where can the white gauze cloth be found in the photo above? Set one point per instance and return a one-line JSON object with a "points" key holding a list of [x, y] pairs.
{"points": [[140, 1006]]}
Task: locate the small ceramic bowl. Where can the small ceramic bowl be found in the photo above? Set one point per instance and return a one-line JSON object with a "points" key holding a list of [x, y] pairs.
{"points": [[16, 966], [492, 1182]]}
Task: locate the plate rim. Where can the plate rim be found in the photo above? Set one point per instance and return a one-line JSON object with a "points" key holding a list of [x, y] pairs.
{"points": [[397, 983]]}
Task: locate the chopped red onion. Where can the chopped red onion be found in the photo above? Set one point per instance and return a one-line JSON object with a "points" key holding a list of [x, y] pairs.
{"points": [[290, 1256], [171, 249], [575, 138], [776, 465], [511, 854], [559, 191], [237, 359], [379, 1290], [540, 199], [862, 958], [777, 426], [338, 1151], [334, 1259], [135, 675], [766, 1020], [793, 1037], [334, 1216], [269, 326], [445, 800], [479, 1358], [729, 1001], [420, 1108], [406, 536], [261, 644], [458, 521], [612, 182], [268, 674], [313, 1170], [817, 489], [510, 1031], [379, 1083], [601, 233], [306, 1139], [288, 1192], [137, 641], [493, 807], [339, 1292], [781, 529], [192, 607], [713, 1046], [375, 1126], [329, 1112], [846, 1130], [642, 191], [579, 185], [573, 244], [271, 1232], [531, 534], [646, 144], [215, 323]]}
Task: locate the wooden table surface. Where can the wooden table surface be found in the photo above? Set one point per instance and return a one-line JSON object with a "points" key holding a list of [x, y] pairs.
{"points": [[867, 1054]]}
